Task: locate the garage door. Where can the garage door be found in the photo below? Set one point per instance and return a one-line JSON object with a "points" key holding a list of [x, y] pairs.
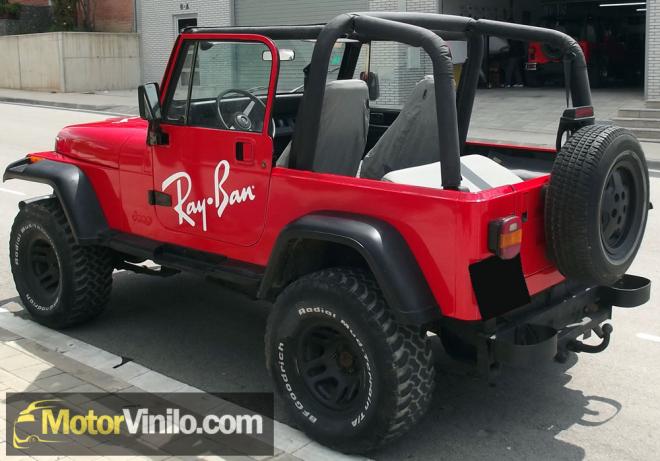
{"points": [[280, 12]]}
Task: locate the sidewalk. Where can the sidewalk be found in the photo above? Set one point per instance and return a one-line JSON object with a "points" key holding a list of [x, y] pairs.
{"points": [[121, 102], [36, 359]]}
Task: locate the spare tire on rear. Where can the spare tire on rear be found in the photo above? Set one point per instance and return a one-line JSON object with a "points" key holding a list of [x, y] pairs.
{"points": [[597, 204]]}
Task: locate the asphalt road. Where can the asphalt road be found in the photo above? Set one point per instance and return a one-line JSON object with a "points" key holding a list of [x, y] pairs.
{"points": [[604, 406]]}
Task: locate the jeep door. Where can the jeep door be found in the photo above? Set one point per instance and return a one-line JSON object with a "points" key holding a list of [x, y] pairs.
{"points": [[212, 174]]}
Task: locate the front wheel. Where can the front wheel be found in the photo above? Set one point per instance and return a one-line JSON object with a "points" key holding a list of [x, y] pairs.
{"points": [[350, 375], [60, 282]]}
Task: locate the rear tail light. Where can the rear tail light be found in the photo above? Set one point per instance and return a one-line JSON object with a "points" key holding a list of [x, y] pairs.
{"points": [[505, 237]]}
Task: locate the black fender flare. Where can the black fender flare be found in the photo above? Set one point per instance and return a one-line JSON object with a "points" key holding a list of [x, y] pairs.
{"points": [[74, 191], [383, 248]]}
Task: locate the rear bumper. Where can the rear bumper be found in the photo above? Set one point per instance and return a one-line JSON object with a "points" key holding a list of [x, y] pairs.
{"points": [[551, 324]]}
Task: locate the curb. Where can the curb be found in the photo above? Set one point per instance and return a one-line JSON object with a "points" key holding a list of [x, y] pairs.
{"points": [[290, 443], [104, 109]]}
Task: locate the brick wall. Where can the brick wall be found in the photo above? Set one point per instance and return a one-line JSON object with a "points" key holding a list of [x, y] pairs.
{"points": [[157, 28], [113, 16], [652, 89]]}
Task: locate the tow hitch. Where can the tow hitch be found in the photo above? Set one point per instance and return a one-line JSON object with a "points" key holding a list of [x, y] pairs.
{"points": [[602, 332]]}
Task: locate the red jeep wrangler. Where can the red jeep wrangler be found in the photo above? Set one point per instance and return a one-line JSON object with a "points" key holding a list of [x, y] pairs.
{"points": [[368, 228]]}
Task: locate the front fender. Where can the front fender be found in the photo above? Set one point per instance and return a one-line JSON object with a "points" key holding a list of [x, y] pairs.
{"points": [[74, 190], [383, 248]]}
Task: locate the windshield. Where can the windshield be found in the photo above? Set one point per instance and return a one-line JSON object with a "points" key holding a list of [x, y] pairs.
{"points": [[292, 73]]}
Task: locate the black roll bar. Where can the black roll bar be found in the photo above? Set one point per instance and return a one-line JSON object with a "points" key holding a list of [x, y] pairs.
{"points": [[309, 116], [305, 32], [579, 84], [421, 30], [468, 85]]}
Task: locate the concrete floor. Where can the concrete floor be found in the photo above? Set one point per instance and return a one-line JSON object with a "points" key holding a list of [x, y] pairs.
{"points": [[531, 115]]}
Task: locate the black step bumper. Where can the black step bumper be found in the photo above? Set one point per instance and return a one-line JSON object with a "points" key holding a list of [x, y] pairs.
{"points": [[546, 330]]}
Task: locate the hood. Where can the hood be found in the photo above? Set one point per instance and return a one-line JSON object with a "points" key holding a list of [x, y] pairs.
{"points": [[99, 142]]}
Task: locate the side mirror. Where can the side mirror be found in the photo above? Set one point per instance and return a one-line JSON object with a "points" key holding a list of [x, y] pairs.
{"points": [[149, 102], [371, 78]]}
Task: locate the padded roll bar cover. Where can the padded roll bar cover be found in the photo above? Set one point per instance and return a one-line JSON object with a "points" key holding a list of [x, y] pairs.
{"points": [[383, 248], [304, 140], [73, 189], [303, 148], [445, 93], [580, 89]]}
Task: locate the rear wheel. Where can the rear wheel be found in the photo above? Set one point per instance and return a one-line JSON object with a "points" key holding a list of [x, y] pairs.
{"points": [[597, 204], [60, 282], [350, 375]]}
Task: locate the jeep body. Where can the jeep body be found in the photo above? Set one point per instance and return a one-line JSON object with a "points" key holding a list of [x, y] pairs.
{"points": [[192, 193]]}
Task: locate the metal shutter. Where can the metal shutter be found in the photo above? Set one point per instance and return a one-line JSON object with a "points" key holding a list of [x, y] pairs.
{"points": [[281, 12]]}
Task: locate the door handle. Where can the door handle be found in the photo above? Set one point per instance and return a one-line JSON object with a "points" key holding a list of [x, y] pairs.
{"points": [[244, 152]]}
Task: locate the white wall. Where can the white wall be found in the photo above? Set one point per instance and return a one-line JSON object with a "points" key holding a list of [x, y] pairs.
{"points": [[70, 61], [100, 61], [158, 32]]}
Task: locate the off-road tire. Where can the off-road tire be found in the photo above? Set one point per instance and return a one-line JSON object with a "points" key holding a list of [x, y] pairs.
{"points": [[399, 357], [594, 222], [81, 283]]}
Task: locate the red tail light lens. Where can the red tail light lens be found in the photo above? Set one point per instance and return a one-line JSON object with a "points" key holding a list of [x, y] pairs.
{"points": [[505, 237]]}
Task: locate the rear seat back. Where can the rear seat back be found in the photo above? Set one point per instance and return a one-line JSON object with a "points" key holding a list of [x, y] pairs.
{"points": [[412, 139]]}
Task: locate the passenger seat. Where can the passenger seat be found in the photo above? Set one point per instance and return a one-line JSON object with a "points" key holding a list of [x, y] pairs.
{"points": [[407, 153], [412, 139]]}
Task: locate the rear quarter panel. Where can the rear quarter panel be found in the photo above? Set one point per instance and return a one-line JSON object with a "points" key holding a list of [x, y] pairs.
{"points": [[446, 230]]}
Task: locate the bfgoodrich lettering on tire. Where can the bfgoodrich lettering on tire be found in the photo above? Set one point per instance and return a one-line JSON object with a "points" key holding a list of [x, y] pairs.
{"points": [[60, 282], [597, 204], [350, 375]]}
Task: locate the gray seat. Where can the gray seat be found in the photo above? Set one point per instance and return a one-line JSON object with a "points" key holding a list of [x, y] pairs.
{"points": [[412, 139], [343, 129]]}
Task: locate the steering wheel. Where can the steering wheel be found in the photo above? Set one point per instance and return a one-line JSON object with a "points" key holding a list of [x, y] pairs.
{"points": [[241, 120]]}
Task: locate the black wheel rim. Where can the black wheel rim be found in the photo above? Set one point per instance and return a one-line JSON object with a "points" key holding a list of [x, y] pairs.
{"points": [[330, 366], [43, 271], [620, 210]]}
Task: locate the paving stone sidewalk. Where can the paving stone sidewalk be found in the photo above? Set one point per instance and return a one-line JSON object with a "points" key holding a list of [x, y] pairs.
{"points": [[27, 366]]}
